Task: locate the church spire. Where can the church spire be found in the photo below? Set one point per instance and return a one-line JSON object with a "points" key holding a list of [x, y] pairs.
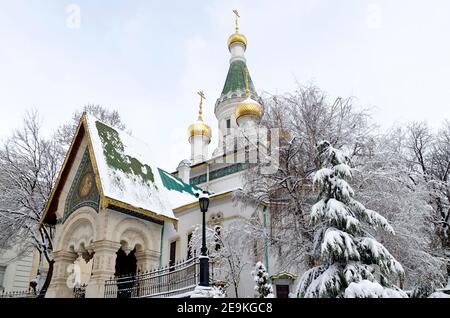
{"points": [[235, 82], [236, 37], [238, 88], [199, 135], [199, 128]]}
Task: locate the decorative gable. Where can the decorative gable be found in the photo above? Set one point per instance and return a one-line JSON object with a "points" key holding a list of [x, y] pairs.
{"points": [[115, 172], [83, 191]]}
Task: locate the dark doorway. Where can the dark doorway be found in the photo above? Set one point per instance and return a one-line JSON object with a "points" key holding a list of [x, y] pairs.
{"points": [[125, 272], [282, 291]]}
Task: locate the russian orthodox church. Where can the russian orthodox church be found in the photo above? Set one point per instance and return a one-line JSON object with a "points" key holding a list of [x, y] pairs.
{"points": [[116, 213]]}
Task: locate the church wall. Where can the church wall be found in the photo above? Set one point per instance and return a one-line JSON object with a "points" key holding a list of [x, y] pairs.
{"points": [[93, 234], [224, 211], [225, 183]]}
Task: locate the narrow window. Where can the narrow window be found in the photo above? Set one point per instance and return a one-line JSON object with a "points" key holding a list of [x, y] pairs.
{"points": [[228, 126], [173, 253]]}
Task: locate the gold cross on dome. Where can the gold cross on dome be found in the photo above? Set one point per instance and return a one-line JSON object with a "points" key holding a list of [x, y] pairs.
{"points": [[200, 111], [237, 17]]}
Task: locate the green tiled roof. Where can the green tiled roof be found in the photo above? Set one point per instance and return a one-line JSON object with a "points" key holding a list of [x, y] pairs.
{"points": [[236, 79], [113, 150], [172, 182]]}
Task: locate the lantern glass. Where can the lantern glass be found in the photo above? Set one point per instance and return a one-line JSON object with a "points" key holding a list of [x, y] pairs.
{"points": [[204, 204]]}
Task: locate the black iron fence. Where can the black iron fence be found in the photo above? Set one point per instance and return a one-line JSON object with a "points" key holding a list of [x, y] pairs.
{"points": [[172, 281]]}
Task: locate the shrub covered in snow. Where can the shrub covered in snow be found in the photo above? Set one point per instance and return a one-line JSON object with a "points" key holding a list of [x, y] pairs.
{"points": [[426, 285], [263, 288], [353, 263]]}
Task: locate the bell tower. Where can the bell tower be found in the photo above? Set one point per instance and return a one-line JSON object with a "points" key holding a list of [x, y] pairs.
{"points": [[237, 88]]}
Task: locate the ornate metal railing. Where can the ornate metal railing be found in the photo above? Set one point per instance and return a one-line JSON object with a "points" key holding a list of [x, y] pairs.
{"points": [[172, 281], [18, 294], [80, 292]]}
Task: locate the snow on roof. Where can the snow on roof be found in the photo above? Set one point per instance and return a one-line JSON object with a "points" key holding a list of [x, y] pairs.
{"points": [[127, 173]]}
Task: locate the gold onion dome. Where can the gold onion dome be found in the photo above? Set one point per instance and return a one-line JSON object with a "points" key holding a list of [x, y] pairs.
{"points": [[248, 107], [237, 38], [199, 128]]}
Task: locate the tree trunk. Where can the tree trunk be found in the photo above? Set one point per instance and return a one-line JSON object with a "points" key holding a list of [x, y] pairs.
{"points": [[48, 279], [236, 290]]}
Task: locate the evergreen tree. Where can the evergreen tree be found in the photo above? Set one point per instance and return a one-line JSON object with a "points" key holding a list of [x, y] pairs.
{"points": [[263, 288], [353, 263]]}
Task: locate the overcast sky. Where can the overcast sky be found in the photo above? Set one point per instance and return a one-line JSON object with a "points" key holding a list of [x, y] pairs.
{"points": [[147, 59]]}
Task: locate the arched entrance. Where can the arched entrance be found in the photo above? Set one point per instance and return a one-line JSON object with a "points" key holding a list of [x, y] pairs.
{"points": [[126, 266]]}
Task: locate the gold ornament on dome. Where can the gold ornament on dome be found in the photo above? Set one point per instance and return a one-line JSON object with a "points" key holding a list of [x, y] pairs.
{"points": [[199, 128], [237, 37], [248, 107]]}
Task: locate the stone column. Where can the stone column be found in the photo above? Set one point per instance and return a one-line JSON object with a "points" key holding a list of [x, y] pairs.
{"points": [[103, 267], [147, 260], [61, 284]]}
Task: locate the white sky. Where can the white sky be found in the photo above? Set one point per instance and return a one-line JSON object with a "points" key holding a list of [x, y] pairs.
{"points": [[147, 59]]}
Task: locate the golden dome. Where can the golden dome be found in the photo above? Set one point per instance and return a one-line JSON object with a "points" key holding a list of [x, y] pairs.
{"points": [[248, 107], [199, 128], [237, 37]]}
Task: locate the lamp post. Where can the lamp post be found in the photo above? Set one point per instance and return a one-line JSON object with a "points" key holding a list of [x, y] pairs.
{"points": [[203, 200]]}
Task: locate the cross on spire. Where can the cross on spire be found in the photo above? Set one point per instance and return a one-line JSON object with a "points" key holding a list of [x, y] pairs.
{"points": [[237, 17], [200, 110]]}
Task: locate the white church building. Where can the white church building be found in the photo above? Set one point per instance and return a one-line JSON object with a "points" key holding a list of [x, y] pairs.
{"points": [[115, 213]]}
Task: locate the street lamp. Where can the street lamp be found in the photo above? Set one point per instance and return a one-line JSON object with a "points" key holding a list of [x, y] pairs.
{"points": [[203, 201]]}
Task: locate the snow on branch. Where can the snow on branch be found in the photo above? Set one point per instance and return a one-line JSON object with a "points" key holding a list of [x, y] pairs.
{"points": [[321, 282], [373, 252], [335, 213], [338, 246]]}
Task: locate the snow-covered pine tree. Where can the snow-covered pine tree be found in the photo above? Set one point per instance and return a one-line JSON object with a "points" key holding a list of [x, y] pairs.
{"points": [[353, 263], [263, 288]]}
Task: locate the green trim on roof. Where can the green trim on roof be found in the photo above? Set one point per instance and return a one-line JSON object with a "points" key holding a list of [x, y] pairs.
{"points": [[74, 200], [113, 150], [236, 79], [174, 183]]}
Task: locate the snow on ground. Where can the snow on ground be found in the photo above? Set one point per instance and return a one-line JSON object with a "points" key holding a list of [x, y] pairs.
{"points": [[368, 289], [439, 295]]}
